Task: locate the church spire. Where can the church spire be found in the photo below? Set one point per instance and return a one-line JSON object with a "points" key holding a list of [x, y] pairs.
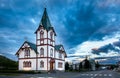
{"points": [[45, 22]]}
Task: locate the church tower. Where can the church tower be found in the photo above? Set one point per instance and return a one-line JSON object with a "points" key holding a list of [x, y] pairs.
{"points": [[45, 41]]}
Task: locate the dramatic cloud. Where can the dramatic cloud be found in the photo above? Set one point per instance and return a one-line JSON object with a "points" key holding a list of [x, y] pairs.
{"points": [[81, 25]]}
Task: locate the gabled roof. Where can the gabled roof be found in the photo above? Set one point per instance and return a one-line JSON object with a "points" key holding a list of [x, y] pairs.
{"points": [[57, 47], [32, 46], [45, 22]]}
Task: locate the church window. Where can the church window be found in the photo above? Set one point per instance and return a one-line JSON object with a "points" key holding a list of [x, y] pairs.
{"points": [[41, 64], [24, 64], [41, 52], [60, 55], [51, 35], [60, 64], [41, 35], [27, 64], [51, 52], [27, 52]]}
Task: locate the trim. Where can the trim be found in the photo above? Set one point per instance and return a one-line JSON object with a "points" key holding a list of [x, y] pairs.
{"points": [[47, 51], [41, 57], [45, 44], [46, 38], [36, 62]]}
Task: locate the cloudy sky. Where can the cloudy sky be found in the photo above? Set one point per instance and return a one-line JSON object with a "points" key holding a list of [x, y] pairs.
{"points": [[83, 26]]}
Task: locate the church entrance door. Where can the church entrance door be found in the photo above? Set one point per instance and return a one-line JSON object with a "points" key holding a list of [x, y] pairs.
{"points": [[52, 61]]}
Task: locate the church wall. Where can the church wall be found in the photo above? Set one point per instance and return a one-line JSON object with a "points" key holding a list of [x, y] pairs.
{"points": [[45, 50], [56, 52], [21, 54], [49, 49], [63, 65], [32, 53], [45, 63], [33, 64]]}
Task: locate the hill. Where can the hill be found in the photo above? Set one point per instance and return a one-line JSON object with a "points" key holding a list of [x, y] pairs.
{"points": [[7, 64]]}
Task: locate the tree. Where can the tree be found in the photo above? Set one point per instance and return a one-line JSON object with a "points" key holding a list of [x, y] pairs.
{"points": [[87, 64], [66, 66], [80, 66], [97, 65]]}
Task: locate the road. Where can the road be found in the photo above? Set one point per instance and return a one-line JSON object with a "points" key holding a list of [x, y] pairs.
{"points": [[91, 74]]}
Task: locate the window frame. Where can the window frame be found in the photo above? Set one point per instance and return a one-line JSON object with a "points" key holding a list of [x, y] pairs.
{"points": [[41, 52], [27, 52], [41, 64]]}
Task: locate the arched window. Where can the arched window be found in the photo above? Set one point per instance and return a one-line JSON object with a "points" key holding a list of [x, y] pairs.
{"points": [[41, 35], [41, 64], [41, 52], [27, 64], [51, 35], [27, 52], [51, 53]]}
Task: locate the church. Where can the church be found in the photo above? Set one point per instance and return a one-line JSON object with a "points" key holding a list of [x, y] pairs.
{"points": [[45, 55]]}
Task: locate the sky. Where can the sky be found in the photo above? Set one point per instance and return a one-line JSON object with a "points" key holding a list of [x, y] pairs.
{"points": [[84, 27]]}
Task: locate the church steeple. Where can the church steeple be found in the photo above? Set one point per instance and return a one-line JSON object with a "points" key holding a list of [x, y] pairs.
{"points": [[45, 22]]}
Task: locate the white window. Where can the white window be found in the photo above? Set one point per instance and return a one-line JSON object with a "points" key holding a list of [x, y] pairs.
{"points": [[41, 35], [41, 64], [51, 53], [27, 64], [27, 52], [60, 64], [60, 55], [51, 35], [41, 52]]}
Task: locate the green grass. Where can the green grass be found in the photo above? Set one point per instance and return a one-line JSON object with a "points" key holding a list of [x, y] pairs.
{"points": [[9, 74]]}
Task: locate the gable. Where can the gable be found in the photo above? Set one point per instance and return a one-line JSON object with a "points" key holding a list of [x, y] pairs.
{"points": [[60, 48], [27, 44]]}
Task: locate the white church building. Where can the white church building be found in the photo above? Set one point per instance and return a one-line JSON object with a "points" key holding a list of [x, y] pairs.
{"points": [[45, 55]]}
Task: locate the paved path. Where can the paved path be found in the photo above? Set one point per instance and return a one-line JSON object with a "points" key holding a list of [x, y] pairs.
{"points": [[92, 74]]}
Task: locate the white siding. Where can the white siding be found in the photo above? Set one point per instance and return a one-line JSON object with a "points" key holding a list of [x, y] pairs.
{"points": [[33, 64], [56, 64], [45, 64]]}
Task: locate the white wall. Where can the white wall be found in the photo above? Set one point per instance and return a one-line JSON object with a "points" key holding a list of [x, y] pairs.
{"points": [[63, 65], [33, 64], [45, 63]]}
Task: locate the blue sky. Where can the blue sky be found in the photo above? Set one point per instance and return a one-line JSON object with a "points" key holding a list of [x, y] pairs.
{"points": [[82, 26]]}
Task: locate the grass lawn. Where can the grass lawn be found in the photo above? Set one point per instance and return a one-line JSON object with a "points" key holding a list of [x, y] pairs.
{"points": [[9, 74]]}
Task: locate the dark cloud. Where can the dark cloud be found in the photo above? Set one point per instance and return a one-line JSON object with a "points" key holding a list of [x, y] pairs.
{"points": [[105, 49], [79, 20], [117, 43]]}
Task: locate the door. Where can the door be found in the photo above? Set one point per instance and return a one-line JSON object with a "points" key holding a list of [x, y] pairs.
{"points": [[51, 65]]}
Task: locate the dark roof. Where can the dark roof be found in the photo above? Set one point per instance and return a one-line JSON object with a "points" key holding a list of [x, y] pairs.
{"points": [[57, 47], [45, 22], [33, 46]]}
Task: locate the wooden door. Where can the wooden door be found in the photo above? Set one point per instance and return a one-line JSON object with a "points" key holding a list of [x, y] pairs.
{"points": [[51, 65]]}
